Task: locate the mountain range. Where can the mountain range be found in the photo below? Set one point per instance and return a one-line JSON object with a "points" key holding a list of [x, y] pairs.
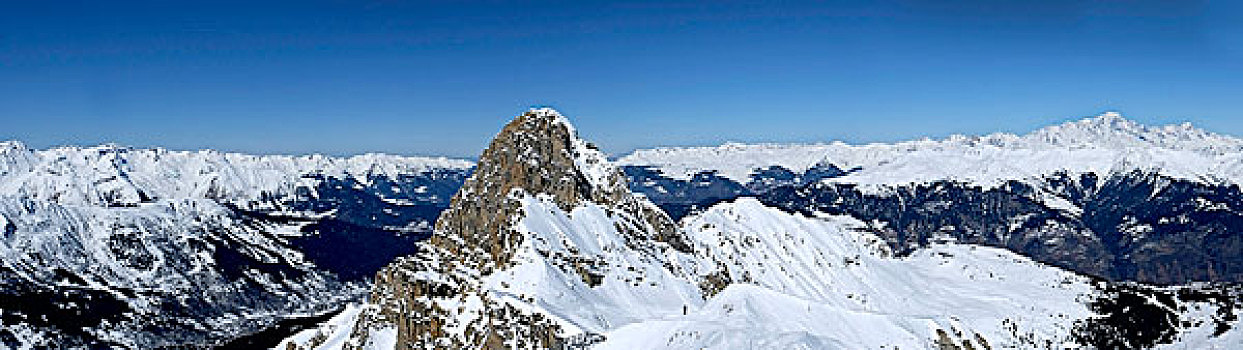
{"points": [[1100, 233]]}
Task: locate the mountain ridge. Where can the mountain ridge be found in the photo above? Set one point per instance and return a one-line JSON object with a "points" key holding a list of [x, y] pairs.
{"points": [[545, 244], [233, 173], [1102, 144]]}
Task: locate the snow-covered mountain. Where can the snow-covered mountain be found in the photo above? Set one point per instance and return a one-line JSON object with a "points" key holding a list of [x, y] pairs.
{"points": [[800, 282], [1103, 196], [112, 246], [112, 175], [962, 243], [545, 248], [544, 217], [1102, 144]]}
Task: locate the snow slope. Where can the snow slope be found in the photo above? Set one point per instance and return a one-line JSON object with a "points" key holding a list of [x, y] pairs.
{"points": [[817, 284], [330, 335], [1102, 144], [635, 284]]}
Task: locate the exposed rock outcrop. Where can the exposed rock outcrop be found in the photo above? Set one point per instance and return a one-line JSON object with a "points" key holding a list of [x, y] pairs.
{"points": [[437, 298], [538, 153]]}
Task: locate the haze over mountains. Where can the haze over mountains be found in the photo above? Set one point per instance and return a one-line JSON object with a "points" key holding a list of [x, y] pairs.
{"points": [[998, 241]]}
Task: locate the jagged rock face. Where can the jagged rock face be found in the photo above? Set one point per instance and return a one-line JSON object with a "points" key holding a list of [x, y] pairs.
{"points": [[439, 297], [430, 303], [538, 153]]}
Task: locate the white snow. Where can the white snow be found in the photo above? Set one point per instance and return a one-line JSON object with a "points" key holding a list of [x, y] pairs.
{"points": [[335, 331], [809, 283], [636, 286], [1200, 336], [149, 220], [115, 174], [1103, 144], [335, 334]]}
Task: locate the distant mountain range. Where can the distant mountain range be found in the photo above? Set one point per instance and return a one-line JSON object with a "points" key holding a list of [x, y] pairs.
{"points": [[1103, 196], [144, 248]]}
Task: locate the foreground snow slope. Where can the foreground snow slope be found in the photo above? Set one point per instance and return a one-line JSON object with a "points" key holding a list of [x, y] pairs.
{"points": [[1103, 144], [816, 283]]}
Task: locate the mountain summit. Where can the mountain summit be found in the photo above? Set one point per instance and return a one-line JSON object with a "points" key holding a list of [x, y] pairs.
{"points": [[1112, 130], [544, 216], [538, 153]]}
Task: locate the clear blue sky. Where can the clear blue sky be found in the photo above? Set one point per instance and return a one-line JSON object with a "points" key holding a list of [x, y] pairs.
{"points": [[346, 77]]}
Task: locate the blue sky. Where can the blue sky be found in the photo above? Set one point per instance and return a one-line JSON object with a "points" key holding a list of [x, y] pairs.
{"points": [[346, 77]]}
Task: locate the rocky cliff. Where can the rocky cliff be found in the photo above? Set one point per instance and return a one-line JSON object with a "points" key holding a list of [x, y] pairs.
{"points": [[440, 298], [537, 153]]}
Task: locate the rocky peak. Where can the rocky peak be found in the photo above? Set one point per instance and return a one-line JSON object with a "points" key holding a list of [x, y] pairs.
{"points": [[541, 153], [538, 153], [536, 158]]}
